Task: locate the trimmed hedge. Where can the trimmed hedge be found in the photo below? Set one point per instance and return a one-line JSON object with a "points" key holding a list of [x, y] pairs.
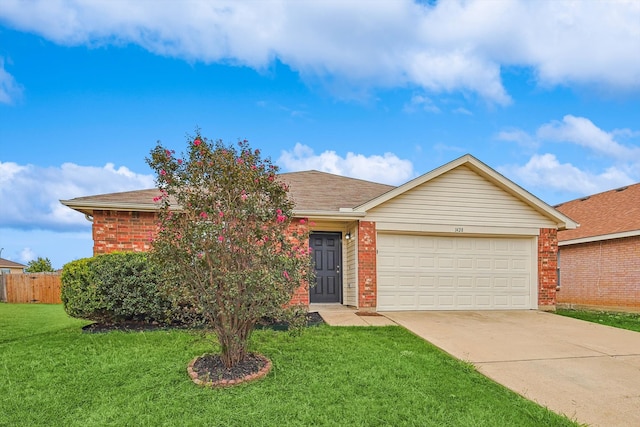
{"points": [[114, 288]]}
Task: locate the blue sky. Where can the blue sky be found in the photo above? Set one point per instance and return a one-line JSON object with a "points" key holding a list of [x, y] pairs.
{"points": [[545, 92]]}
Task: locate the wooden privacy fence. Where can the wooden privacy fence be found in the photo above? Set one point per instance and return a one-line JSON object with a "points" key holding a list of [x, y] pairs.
{"points": [[31, 287]]}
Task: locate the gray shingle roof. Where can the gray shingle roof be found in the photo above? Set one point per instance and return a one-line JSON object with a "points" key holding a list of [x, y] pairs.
{"points": [[310, 191]]}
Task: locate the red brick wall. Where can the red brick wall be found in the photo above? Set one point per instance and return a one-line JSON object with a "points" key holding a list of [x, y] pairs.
{"points": [[301, 295], [602, 274], [547, 268], [367, 273], [123, 231]]}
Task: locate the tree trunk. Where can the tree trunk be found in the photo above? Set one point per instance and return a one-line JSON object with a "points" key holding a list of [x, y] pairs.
{"points": [[234, 343]]}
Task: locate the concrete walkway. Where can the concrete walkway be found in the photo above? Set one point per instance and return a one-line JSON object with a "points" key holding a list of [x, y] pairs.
{"points": [[341, 315], [589, 372]]}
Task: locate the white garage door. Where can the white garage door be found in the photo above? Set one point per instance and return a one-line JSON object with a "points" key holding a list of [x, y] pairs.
{"points": [[455, 273]]}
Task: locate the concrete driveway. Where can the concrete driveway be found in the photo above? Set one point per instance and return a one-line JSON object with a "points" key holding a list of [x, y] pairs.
{"points": [[589, 372]]}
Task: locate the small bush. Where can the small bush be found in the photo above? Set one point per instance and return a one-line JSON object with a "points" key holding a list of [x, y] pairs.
{"points": [[116, 287], [78, 292]]}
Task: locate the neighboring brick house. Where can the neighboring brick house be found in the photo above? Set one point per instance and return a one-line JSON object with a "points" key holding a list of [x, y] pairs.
{"points": [[460, 237], [600, 261]]}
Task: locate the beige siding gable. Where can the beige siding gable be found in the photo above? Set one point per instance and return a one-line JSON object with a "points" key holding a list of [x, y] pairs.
{"points": [[459, 198]]}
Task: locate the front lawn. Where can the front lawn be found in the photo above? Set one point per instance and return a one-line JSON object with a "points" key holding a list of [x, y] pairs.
{"points": [[53, 374], [629, 321]]}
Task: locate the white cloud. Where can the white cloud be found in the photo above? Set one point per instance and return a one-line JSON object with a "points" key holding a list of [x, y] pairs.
{"points": [[452, 45], [582, 131], [10, 90], [388, 168], [29, 195], [419, 102], [26, 255], [606, 162], [546, 172], [518, 136]]}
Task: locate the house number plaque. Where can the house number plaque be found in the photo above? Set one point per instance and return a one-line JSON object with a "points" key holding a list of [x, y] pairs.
{"points": [[458, 230]]}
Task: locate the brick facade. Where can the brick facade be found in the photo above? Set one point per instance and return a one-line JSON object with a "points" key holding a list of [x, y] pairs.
{"points": [[367, 269], [547, 268], [604, 275], [132, 231], [123, 231]]}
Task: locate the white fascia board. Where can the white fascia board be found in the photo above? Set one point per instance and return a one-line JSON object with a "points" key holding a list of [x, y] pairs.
{"points": [[600, 238], [337, 215], [120, 206]]}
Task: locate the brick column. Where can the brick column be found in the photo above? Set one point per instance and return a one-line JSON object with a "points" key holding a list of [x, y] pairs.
{"points": [[367, 271], [547, 268], [300, 227]]}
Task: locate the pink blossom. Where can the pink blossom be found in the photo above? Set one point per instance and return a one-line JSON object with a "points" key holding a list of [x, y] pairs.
{"points": [[168, 153], [310, 249], [220, 238], [253, 167], [311, 223], [157, 199], [302, 221], [203, 215], [179, 161], [243, 196], [221, 214], [197, 142], [279, 211], [281, 218], [163, 172], [200, 255], [240, 160], [285, 274]]}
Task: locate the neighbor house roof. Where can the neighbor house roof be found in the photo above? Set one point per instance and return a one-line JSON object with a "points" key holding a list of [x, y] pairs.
{"points": [[313, 192], [603, 216], [10, 264]]}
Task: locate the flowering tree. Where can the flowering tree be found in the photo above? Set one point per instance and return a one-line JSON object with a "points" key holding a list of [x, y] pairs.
{"points": [[226, 238]]}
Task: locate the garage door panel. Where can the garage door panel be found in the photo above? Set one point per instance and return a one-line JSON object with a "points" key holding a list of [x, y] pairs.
{"points": [[453, 273], [465, 282], [427, 262], [386, 261], [445, 262], [501, 264], [465, 263]]}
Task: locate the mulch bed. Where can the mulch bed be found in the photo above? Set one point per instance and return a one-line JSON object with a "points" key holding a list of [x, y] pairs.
{"points": [[313, 319], [209, 371]]}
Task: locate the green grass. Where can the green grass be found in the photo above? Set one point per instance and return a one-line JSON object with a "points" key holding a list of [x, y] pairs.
{"points": [[629, 321], [53, 374]]}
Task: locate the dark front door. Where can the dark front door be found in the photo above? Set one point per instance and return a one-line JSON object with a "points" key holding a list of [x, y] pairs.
{"points": [[327, 255]]}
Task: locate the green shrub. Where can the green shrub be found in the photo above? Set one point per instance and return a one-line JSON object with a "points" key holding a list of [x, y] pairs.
{"points": [[78, 292], [116, 287]]}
